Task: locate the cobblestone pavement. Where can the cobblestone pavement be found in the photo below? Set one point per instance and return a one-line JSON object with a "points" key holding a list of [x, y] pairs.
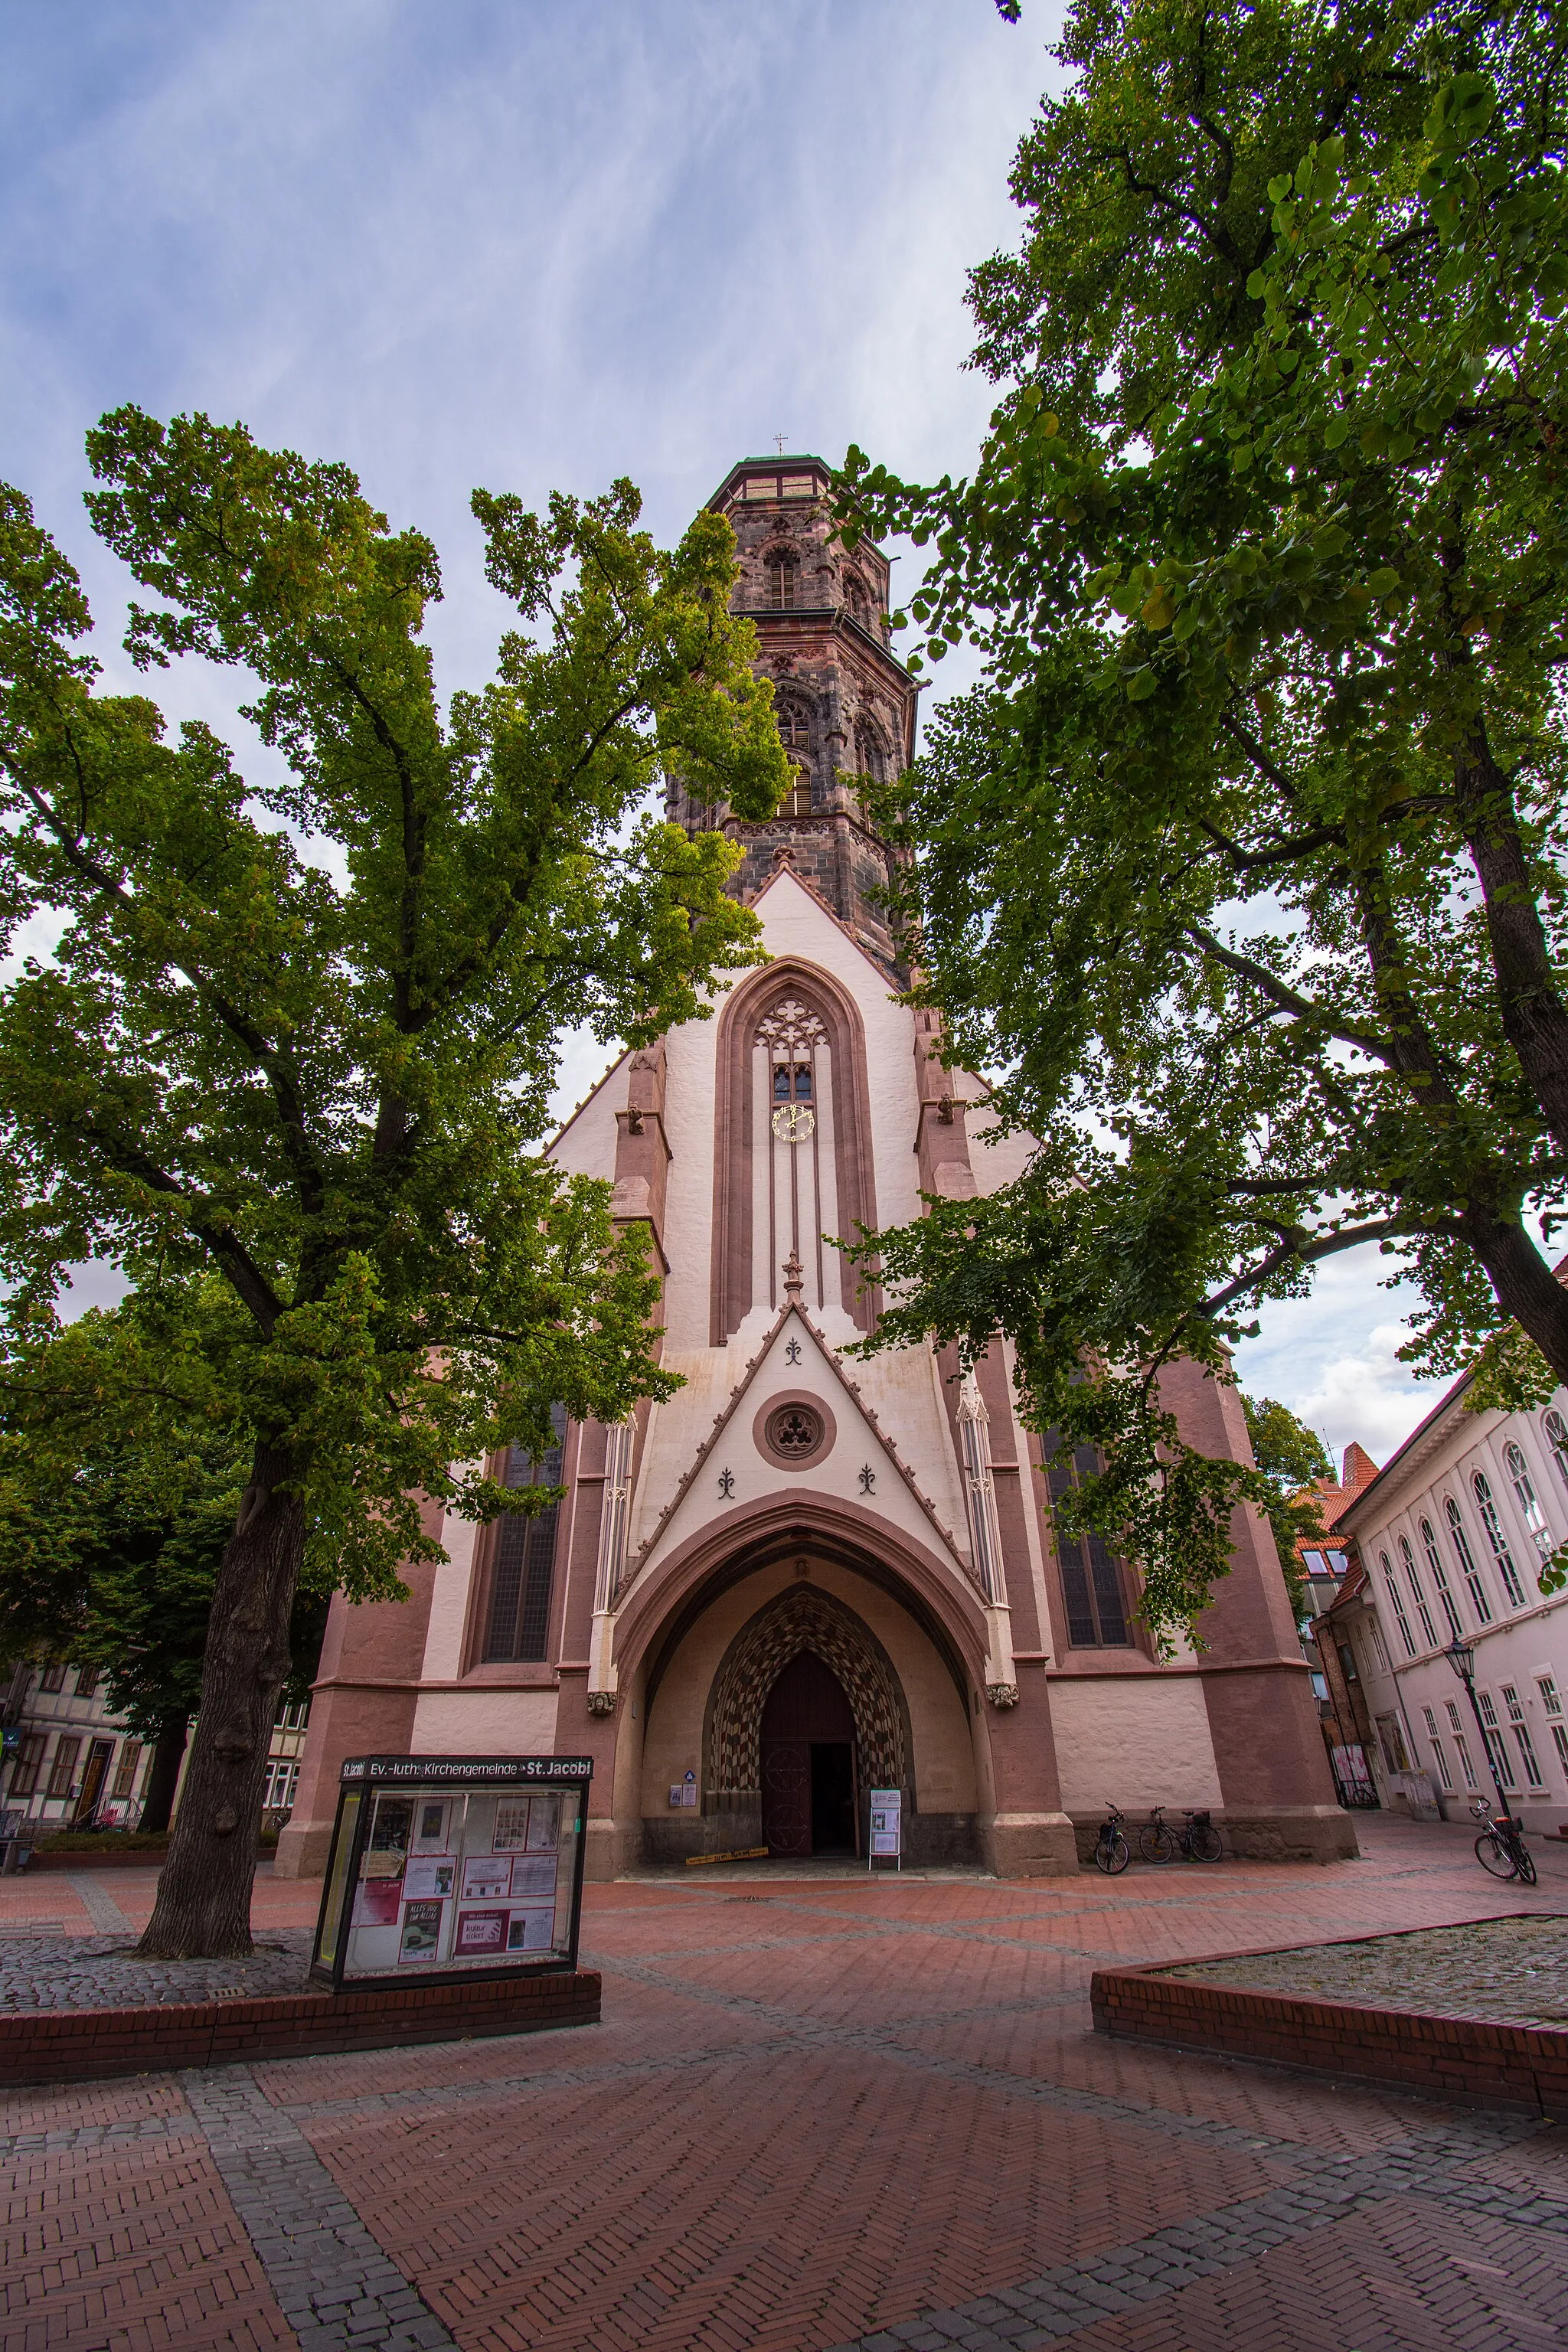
{"points": [[1515, 1969], [817, 2114], [55, 1971]]}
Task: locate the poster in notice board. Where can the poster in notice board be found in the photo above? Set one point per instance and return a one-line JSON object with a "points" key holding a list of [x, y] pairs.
{"points": [[886, 1839]]}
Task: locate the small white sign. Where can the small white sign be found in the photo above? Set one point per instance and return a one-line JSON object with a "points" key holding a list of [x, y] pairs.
{"points": [[887, 1824]]}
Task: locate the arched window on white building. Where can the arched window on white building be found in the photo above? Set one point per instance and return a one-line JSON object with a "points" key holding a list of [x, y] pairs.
{"points": [[1485, 1504], [1468, 1561], [1524, 1488]]}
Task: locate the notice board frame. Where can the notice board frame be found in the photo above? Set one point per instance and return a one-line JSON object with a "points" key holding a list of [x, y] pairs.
{"points": [[361, 1779]]}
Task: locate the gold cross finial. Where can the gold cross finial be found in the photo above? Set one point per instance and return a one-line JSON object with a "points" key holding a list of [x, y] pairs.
{"points": [[779, 440]]}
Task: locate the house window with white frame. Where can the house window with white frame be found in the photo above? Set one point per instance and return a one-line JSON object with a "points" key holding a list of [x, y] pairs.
{"points": [[1535, 1518], [1463, 1746], [1440, 1579], [1399, 1619], [1551, 1699], [1556, 1431], [1482, 1487], [1445, 1778], [1522, 1740], [1472, 1574], [1416, 1594], [1492, 1732]]}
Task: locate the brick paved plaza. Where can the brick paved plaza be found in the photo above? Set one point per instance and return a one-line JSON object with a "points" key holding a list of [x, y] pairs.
{"points": [[817, 2114]]}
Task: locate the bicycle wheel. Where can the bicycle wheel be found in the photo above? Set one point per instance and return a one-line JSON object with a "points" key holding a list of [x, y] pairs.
{"points": [[1493, 1855], [1156, 1844], [1206, 1846], [1113, 1853], [1525, 1866]]}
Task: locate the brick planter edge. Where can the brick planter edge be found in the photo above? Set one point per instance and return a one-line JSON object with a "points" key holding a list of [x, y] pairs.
{"points": [[1473, 2060], [59, 2046]]}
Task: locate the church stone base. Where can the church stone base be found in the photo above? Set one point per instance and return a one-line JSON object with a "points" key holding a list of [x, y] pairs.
{"points": [[1029, 1845], [302, 1852], [1281, 1834]]}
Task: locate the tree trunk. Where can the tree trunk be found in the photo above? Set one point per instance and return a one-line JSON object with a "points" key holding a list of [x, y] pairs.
{"points": [[1535, 1017], [204, 1895], [163, 1777], [1525, 1285]]}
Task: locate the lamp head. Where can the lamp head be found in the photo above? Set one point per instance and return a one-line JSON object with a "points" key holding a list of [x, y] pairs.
{"points": [[1461, 1656]]}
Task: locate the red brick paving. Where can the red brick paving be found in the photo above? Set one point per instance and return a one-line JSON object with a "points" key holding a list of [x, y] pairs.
{"points": [[805, 2118]]}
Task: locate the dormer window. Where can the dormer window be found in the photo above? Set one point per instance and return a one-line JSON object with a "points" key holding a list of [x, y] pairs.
{"points": [[781, 587]]}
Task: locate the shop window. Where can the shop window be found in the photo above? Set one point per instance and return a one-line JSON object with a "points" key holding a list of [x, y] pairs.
{"points": [[125, 1770], [29, 1757], [521, 1581], [1091, 1580], [1440, 1579], [1482, 1487], [63, 1770]]}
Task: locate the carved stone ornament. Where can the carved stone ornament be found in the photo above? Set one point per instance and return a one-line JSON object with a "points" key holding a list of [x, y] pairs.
{"points": [[601, 1702], [1001, 1694]]}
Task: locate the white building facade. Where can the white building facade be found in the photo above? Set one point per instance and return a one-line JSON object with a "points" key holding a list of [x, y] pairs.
{"points": [[1452, 1535]]}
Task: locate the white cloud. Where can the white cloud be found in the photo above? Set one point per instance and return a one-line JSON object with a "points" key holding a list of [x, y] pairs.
{"points": [[1331, 1357]]}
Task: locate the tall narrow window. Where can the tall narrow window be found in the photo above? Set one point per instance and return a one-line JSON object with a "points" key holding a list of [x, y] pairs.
{"points": [[1400, 1618], [796, 798], [525, 1558], [1461, 1743], [1524, 1488], [29, 1756], [53, 1677], [1444, 1780], [1481, 1485], [87, 1682], [1492, 1730], [1551, 1699], [1468, 1563], [1556, 1430], [1520, 1729], [1091, 1582], [1428, 1628], [1440, 1579], [126, 1768], [781, 587], [64, 1767]]}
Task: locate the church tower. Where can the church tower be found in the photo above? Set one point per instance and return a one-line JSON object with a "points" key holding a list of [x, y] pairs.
{"points": [[811, 1574], [846, 707]]}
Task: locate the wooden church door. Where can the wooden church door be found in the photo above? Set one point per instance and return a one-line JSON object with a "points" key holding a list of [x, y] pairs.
{"points": [[808, 1761]]}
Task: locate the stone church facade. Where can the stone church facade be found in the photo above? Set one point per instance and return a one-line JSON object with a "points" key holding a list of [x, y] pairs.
{"points": [[808, 1574]]}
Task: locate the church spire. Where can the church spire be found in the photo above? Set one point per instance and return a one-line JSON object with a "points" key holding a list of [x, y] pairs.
{"points": [[844, 705]]}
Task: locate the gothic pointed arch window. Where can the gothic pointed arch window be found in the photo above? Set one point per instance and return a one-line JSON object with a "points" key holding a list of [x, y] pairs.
{"points": [[792, 1163]]}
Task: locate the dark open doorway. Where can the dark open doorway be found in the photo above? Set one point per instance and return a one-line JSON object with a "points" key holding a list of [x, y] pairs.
{"points": [[808, 1763]]}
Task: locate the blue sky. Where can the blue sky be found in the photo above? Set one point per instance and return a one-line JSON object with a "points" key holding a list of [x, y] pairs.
{"points": [[532, 246]]}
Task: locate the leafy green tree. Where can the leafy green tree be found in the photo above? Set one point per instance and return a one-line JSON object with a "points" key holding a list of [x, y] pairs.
{"points": [[1245, 863], [318, 1091], [109, 1557]]}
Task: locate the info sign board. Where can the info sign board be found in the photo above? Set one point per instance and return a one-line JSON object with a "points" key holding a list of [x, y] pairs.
{"points": [[448, 1867], [887, 1838]]}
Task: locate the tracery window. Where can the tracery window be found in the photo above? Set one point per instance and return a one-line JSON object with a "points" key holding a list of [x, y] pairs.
{"points": [[1091, 1582], [795, 726], [518, 1618]]}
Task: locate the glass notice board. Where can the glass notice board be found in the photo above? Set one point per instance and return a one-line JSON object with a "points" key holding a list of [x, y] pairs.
{"points": [[453, 1865]]}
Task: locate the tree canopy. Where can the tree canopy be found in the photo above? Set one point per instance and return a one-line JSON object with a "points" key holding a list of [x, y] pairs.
{"points": [[288, 1066], [1244, 864]]}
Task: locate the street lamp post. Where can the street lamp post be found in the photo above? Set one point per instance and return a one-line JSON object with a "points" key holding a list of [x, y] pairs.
{"points": [[1461, 1656]]}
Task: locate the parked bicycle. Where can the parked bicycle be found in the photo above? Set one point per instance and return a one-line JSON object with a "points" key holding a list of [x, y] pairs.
{"points": [[1500, 1847], [1199, 1842], [1112, 1851]]}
